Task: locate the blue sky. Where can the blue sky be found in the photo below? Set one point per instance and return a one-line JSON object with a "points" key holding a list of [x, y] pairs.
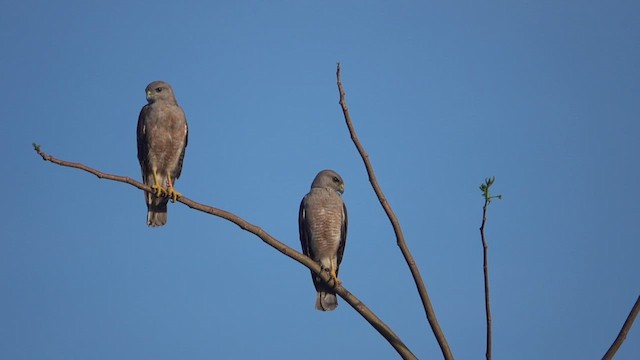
{"points": [[543, 96]]}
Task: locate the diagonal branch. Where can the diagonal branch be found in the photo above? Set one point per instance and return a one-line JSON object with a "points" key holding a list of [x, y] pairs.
{"points": [[351, 299], [415, 272], [623, 332]]}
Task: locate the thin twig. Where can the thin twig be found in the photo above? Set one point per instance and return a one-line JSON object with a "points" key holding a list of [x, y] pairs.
{"points": [[487, 305], [351, 299], [486, 193], [623, 332], [415, 272]]}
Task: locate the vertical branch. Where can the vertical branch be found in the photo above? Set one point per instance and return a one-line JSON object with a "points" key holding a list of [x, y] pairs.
{"points": [[623, 332], [485, 250], [487, 305], [415, 272]]}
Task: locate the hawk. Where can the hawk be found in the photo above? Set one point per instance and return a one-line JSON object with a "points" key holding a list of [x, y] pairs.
{"points": [[322, 221], [162, 140]]}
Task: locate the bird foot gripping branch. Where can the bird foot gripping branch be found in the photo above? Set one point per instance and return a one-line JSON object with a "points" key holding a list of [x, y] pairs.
{"points": [[173, 194], [334, 277], [158, 190]]}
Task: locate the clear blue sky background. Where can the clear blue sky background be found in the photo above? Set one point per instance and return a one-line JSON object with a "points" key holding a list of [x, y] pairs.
{"points": [[544, 96]]}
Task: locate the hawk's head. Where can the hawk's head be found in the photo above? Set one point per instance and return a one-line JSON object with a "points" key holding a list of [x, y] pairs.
{"points": [[328, 179], [159, 90]]}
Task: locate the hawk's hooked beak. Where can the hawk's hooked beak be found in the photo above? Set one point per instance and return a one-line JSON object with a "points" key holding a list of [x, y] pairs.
{"points": [[341, 188]]}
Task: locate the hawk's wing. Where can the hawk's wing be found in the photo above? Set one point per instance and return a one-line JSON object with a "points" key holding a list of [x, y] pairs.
{"points": [[178, 169], [343, 234], [304, 230], [143, 145]]}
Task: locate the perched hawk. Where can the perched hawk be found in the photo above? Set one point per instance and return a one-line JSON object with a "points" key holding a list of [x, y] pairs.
{"points": [[162, 139], [322, 221]]}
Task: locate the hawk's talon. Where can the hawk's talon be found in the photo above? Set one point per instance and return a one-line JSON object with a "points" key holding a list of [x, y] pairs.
{"points": [[158, 190], [334, 281], [173, 194], [171, 191]]}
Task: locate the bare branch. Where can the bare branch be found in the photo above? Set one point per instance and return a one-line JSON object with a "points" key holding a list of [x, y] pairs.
{"points": [[351, 299], [415, 272], [623, 332]]}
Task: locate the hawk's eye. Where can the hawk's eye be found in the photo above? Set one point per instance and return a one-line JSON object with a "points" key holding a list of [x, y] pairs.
{"points": [[335, 179], [158, 89]]}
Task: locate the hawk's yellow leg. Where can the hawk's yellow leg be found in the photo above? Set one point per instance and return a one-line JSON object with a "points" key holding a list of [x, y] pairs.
{"points": [[171, 191], [334, 276], [158, 190]]}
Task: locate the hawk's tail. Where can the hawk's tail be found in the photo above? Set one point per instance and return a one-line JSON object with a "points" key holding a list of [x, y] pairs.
{"points": [[326, 301], [156, 211]]}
